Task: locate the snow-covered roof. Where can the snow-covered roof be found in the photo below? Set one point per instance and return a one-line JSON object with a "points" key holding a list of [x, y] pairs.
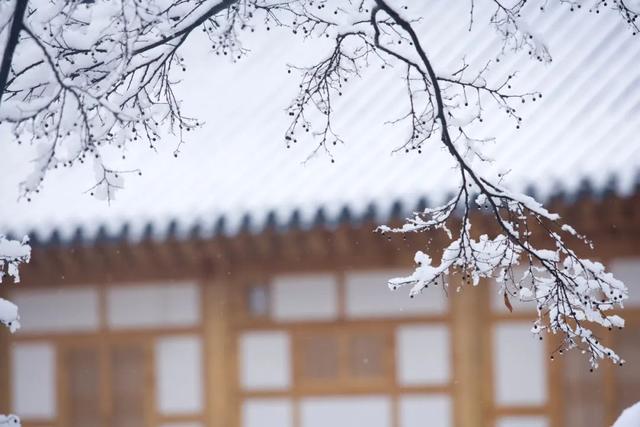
{"points": [[237, 167]]}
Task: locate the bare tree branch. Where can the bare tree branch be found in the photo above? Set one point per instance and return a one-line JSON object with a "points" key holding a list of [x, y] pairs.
{"points": [[12, 42]]}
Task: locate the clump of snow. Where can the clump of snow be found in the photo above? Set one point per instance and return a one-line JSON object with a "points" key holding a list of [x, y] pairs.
{"points": [[630, 417], [9, 315], [9, 420], [12, 254]]}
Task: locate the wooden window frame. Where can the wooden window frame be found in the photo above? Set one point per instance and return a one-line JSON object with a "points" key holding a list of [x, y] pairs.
{"points": [[342, 326], [103, 339]]}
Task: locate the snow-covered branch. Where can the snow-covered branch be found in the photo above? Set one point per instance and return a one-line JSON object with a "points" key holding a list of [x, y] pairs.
{"points": [[9, 421], [570, 292], [12, 254]]}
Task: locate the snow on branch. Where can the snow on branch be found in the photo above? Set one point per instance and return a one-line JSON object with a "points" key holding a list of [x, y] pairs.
{"points": [[9, 421], [12, 254], [570, 293]]}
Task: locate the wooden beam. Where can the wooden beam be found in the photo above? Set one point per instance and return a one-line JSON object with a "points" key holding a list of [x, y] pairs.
{"points": [[468, 322], [218, 367], [5, 355]]}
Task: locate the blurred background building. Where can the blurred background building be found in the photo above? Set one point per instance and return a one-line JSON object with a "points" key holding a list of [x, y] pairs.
{"points": [[237, 286]]}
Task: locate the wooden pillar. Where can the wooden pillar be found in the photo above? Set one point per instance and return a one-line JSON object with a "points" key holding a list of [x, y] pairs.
{"points": [[468, 323], [218, 346], [5, 384], [5, 364]]}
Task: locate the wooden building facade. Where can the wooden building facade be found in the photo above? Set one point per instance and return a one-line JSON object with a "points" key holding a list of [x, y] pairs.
{"points": [[295, 327]]}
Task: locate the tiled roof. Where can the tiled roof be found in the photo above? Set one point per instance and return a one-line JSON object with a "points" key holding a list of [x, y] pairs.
{"points": [[236, 170]]}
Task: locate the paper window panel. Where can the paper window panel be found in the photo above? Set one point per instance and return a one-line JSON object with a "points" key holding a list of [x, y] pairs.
{"points": [[59, 310], [179, 387], [522, 421], [267, 413], [153, 306], [423, 354], [370, 411], [368, 296], [519, 365], [265, 360], [416, 409], [33, 380], [304, 297]]}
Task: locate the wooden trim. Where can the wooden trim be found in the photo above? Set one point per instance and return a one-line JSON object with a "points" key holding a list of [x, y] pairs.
{"points": [[554, 385], [151, 410], [162, 419], [297, 418], [338, 390], [521, 411], [232, 377], [308, 325], [466, 335], [486, 354], [217, 346], [62, 380], [5, 364], [112, 334]]}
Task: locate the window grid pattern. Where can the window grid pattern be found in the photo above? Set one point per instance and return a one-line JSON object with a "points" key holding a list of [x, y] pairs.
{"points": [[341, 355]]}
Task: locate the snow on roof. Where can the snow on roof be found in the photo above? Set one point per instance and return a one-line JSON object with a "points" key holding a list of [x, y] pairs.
{"points": [[236, 167]]}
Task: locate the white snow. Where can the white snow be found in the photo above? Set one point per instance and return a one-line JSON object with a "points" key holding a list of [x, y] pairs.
{"points": [[237, 163], [630, 417], [12, 254], [9, 421], [9, 315]]}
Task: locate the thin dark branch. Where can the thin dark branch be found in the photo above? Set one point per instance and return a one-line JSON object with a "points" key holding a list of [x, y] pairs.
{"points": [[12, 42]]}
